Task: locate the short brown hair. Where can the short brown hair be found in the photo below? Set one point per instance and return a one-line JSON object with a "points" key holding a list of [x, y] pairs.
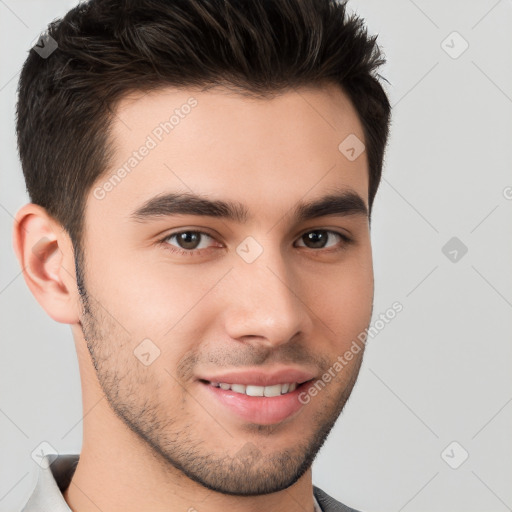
{"points": [[108, 48]]}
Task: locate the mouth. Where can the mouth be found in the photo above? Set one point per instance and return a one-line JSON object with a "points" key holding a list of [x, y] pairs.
{"points": [[255, 390], [257, 398]]}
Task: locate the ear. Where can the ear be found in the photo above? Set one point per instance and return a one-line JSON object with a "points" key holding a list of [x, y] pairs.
{"points": [[46, 256]]}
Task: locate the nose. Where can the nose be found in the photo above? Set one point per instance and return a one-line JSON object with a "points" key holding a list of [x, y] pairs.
{"points": [[266, 305]]}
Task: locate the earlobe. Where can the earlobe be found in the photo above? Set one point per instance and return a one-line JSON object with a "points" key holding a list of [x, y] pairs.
{"points": [[45, 253]]}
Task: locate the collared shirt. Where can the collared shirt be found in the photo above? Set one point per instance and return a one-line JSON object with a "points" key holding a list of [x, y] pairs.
{"points": [[53, 479]]}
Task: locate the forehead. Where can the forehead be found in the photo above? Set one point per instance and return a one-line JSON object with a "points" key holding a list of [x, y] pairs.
{"points": [[225, 145]]}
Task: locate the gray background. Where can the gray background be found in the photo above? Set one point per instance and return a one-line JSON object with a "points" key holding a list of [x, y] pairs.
{"points": [[440, 371]]}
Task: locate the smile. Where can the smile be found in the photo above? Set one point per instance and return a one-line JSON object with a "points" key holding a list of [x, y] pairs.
{"points": [[254, 390]]}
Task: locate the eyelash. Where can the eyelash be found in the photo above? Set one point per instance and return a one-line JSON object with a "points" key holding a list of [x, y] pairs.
{"points": [[196, 252]]}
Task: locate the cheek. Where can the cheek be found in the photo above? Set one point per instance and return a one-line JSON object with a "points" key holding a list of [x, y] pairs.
{"points": [[343, 298], [147, 296]]}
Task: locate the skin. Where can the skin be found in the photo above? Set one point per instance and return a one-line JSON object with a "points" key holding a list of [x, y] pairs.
{"points": [[153, 439]]}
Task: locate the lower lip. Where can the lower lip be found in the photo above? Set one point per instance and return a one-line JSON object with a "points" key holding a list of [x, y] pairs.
{"points": [[259, 409]]}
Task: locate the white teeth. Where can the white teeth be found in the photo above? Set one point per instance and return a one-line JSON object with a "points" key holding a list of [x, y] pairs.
{"points": [[273, 390], [252, 390], [238, 388]]}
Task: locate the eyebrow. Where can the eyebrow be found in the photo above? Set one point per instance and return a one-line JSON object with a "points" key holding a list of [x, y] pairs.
{"points": [[342, 203]]}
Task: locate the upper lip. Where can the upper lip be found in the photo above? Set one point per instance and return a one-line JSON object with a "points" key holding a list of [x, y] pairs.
{"points": [[258, 377]]}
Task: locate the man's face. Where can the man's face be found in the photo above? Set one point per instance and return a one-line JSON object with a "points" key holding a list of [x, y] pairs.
{"points": [[185, 312]]}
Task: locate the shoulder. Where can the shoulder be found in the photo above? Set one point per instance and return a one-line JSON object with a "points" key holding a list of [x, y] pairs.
{"points": [[329, 504]]}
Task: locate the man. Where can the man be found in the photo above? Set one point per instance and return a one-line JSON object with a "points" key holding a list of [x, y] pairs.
{"points": [[200, 216]]}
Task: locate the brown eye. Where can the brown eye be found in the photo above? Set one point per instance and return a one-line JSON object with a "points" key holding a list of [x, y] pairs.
{"points": [[189, 240], [319, 238]]}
